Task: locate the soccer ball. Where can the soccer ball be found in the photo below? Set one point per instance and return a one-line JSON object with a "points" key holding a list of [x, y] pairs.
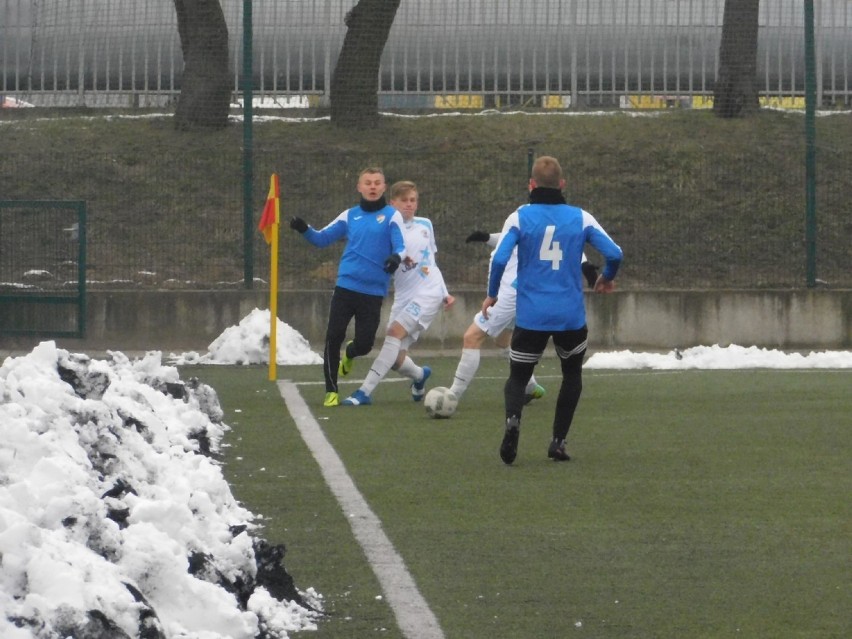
{"points": [[440, 402]]}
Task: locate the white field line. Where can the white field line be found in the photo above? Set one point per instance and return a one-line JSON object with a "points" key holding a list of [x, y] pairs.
{"points": [[413, 615]]}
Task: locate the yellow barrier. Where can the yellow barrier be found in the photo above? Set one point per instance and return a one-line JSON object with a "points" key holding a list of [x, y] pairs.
{"points": [[783, 103], [702, 102], [462, 101], [556, 101], [643, 102]]}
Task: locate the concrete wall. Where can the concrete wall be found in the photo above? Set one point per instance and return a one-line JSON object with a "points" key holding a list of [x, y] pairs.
{"points": [[179, 321]]}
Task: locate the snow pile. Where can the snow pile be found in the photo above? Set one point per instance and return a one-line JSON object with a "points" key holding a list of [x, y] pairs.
{"points": [[719, 358], [115, 521], [248, 343]]}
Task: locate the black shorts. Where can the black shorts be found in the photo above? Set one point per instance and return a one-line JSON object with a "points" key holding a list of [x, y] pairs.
{"points": [[528, 345]]}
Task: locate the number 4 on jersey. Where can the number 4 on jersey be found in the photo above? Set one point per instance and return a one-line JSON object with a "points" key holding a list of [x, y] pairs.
{"points": [[550, 250]]}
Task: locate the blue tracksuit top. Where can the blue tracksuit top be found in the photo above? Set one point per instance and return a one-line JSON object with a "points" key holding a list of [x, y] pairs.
{"points": [[371, 236], [550, 236]]}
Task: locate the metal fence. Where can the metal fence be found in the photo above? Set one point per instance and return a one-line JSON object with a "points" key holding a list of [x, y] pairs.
{"points": [[156, 221], [440, 54], [170, 217], [43, 266]]}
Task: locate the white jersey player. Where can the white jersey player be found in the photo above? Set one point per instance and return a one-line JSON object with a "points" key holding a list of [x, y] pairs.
{"points": [[419, 295], [499, 322]]}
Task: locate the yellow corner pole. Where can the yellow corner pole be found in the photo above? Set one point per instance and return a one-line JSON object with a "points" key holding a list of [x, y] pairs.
{"points": [[273, 287]]}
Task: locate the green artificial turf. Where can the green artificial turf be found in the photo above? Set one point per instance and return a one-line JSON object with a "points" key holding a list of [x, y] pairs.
{"points": [[696, 503]]}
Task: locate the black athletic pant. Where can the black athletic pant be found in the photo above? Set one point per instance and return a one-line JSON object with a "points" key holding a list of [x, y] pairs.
{"points": [[346, 304], [526, 350]]}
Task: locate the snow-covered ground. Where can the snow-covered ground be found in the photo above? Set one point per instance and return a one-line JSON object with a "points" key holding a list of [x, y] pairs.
{"points": [[116, 522], [113, 520], [720, 358]]}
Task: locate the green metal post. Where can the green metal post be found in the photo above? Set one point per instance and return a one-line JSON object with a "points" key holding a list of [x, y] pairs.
{"points": [[810, 146], [81, 268], [248, 148]]}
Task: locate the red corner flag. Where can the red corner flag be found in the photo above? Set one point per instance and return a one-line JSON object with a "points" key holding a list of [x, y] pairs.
{"points": [[271, 212]]}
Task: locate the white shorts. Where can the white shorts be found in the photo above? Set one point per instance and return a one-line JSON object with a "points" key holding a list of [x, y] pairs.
{"points": [[500, 316], [415, 315]]}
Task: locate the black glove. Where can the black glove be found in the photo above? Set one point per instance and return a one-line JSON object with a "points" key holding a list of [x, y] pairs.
{"points": [[392, 263], [590, 272], [298, 224], [478, 236]]}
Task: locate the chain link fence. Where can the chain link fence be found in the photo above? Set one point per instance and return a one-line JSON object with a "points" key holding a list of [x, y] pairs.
{"points": [[170, 214], [693, 205]]}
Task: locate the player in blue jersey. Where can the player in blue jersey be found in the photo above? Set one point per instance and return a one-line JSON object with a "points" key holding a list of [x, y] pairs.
{"points": [[374, 249], [420, 294], [550, 236], [499, 322]]}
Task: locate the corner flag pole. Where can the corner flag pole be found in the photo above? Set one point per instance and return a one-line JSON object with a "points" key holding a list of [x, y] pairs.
{"points": [[273, 288], [269, 224], [273, 296]]}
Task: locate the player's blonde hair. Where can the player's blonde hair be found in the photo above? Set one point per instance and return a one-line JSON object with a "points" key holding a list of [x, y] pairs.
{"points": [[547, 172], [398, 189], [371, 169]]}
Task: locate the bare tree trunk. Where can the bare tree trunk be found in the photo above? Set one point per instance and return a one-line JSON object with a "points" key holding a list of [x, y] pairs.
{"points": [[735, 93], [355, 83], [205, 93]]}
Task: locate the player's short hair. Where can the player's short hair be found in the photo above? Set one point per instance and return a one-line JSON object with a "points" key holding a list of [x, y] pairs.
{"points": [[371, 169], [547, 172], [398, 189]]}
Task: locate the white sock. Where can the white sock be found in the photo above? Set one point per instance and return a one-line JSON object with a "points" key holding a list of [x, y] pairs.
{"points": [[465, 371], [409, 369], [382, 364]]}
